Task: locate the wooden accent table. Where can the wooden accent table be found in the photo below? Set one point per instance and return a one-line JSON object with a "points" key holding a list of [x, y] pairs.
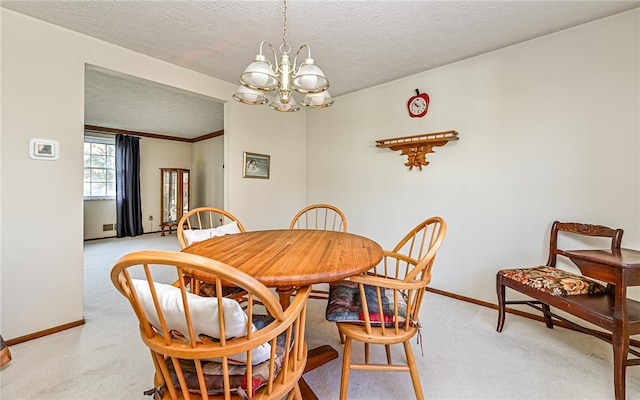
{"points": [[614, 312], [285, 259]]}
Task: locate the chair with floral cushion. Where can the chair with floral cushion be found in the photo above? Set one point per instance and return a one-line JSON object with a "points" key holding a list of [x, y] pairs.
{"points": [[393, 293], [209, 347], [546, 283]]}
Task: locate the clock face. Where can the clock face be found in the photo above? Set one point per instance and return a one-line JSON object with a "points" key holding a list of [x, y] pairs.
{"points": [[418, 105]]}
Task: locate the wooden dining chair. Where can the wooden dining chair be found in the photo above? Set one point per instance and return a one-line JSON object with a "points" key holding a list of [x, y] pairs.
{"points": [[201, 224], [323, 217], [206, 222], [392, 293], [201, 352]]}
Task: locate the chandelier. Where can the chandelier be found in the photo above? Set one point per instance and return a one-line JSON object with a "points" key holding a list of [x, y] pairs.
{"points": [[262, 76]]}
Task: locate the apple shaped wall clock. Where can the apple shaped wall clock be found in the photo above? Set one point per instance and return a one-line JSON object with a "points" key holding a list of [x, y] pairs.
{"points": [[418, 105]]}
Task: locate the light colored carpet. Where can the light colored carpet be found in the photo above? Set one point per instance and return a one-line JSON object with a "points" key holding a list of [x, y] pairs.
{"points": [[464, 356]]}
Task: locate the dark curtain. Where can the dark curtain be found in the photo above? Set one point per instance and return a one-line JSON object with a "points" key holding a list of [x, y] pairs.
{"points": [[128, 204]]}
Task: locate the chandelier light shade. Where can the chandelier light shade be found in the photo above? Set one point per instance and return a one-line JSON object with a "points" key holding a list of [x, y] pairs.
{"points": [[289, 106], [317, 100], [250, 96], [259, 75], [310, 78], [262, 76]]}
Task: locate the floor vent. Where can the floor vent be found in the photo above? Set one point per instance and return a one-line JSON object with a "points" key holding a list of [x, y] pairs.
{"points": [[108, 227]]}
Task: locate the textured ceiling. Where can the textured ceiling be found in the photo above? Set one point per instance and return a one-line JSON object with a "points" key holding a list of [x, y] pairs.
{"points": [[358, 44], [120, 101]]}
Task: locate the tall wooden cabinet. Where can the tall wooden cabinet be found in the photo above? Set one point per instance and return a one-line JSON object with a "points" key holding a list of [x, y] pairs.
{"points": [[174, 196]]}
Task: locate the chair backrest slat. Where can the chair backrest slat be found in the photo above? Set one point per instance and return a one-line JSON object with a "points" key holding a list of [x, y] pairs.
{"points": [[325, 217]]}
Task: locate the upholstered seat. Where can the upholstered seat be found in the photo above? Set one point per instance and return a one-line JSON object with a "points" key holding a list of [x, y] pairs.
{"points": [[553, 280], [345, 305]]}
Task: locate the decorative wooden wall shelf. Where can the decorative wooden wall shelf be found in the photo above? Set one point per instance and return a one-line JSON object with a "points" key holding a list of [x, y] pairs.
{"points": [[416, 147]]}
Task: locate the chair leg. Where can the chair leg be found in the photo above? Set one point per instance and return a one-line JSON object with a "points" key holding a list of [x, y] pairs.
{"points": [[346, 367], [547, 316], [366, 353], [413, 370], [501, 302], [388, 350], [341, 335]]}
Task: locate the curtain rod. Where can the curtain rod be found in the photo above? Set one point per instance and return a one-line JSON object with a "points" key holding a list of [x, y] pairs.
{"points": [[101, 132], [109, 131]]}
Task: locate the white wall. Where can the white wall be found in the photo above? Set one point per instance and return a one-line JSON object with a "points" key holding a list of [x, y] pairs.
{"points": [[95, 214], [157, 154], [43, 96], [265, 203], [207, 173], [549, 129]]}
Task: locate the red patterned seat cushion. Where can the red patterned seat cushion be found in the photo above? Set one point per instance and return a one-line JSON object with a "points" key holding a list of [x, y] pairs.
{"points": [[345, 304], [553, 280], [214, 372]]}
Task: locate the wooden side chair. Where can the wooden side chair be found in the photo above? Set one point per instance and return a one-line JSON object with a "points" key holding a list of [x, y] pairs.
{"points": [[323, 217], [392, 293], [596, 293], [552, 283], [208, 347], [201, 224], [206, 222]]}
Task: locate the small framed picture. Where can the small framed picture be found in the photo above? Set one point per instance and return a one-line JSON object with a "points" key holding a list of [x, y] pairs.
{"points": [[44, 149], [256, 165]]}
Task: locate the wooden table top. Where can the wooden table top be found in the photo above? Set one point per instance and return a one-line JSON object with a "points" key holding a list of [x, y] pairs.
{"points": [[293, 257], [623, 258]]}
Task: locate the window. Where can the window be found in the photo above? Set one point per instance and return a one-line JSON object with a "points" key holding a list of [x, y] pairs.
{"points": [[99, 168]]}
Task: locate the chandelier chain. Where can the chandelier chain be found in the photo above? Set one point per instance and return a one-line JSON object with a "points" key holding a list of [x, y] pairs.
{"points": [[284, 47]]}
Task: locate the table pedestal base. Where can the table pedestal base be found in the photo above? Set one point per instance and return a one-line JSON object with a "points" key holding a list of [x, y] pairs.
{"points": [[315, 358]]}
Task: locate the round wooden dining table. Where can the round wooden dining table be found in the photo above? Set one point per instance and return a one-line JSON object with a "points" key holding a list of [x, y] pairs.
{"points": [[288, 258], [285, 259]]}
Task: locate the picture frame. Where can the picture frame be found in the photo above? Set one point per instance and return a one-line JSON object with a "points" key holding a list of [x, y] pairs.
{"points": [[44, 149], [256, 165]]}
